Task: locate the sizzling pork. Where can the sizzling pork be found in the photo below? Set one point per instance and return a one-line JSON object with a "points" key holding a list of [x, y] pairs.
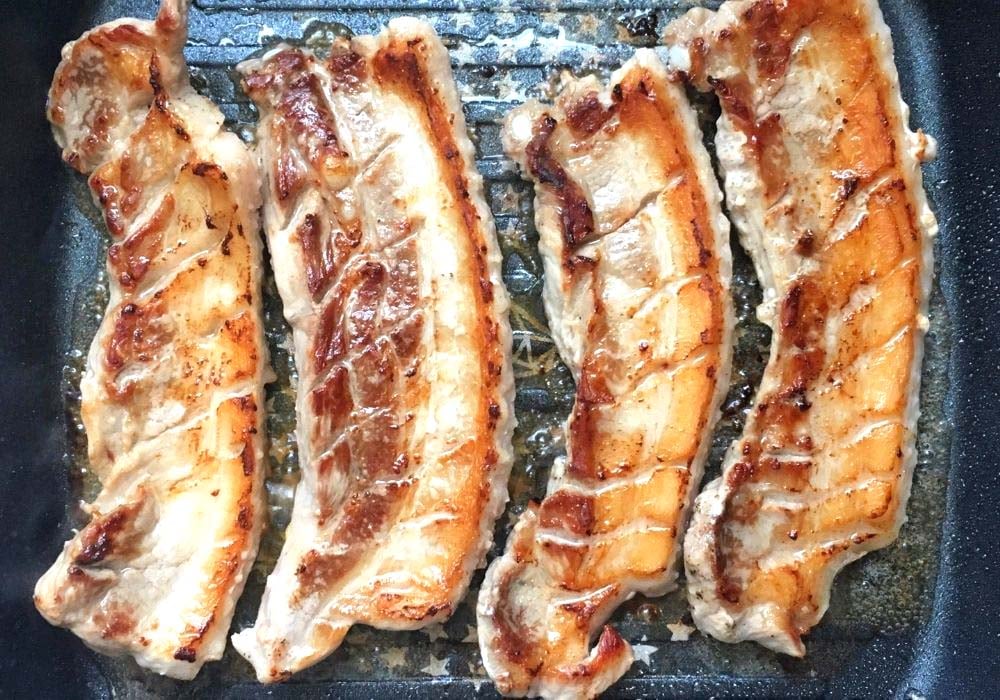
{"points": [[387, 263], [637, 275], [823, 182], [173, 390]]}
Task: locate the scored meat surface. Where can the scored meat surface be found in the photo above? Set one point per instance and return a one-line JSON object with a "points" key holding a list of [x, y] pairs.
{"points": [[637, 273], [386, 259], [172, 396], [823, 182]]}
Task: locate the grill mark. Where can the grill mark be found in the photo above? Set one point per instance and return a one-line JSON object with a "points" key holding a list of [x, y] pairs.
{"points": [[300, 103], [302, 120], [771, 44], [110, 534], [575, 214], [764, 136], [317, 257], [117, 622], [592, 394], [587, 115], [362, 516], [139, 331], [331, 340], [303, 106], [208, 170], [247, 458], [288, 175], [186, 653], [189, 652], [347, 68], [130, 259], [120, 185], [325, 252], [332, 405], [565, 510]]}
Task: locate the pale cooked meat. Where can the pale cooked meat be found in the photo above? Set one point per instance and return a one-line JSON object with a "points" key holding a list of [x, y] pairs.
{"points": [[386, 259], [823, 181], [173, 389], [637, 274]]}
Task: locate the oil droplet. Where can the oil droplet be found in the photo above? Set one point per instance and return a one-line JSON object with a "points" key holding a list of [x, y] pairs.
{"points": [[648, 612], [320, 36]]}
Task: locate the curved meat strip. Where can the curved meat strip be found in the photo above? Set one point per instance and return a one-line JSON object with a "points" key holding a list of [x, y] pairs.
{"points": [[823, 182], [173, 389], [386, 259], [637, 273]]}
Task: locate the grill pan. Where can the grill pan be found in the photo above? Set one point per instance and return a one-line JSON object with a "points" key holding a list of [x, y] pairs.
{"points": [[916, 620]]}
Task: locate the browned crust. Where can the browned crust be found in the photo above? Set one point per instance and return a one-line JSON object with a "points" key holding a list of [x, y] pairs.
{"points": [[781, 418], [575, 213], [401, 68], [865, 151], [528, 655], [106, 535], [370, 321], [113, 67], [132, 50], [638, 108]]}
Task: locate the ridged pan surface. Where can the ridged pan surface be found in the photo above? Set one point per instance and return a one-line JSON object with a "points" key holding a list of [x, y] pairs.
{"points": [[504, 51]]}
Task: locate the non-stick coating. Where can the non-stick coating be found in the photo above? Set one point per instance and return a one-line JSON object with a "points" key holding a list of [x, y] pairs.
{"points": [[917, 620]]}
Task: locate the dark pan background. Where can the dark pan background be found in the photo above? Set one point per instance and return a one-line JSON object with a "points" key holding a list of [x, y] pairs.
{"points": [[949, 57]]}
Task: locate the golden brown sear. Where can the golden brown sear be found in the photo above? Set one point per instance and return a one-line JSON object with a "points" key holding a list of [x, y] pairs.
{"points": [[823, 182], [637, 294], [386, 259], [172, 396]]}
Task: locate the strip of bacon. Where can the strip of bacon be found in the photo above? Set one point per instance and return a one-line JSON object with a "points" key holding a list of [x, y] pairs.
{"points": [[824, 185], [637, 274], [386, 259], [173, 390]]}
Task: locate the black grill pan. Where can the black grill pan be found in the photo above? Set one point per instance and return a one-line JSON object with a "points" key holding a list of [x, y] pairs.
{"points": [[918, 620]]}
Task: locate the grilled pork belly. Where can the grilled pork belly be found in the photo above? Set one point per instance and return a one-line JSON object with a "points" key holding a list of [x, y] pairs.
{"points": [[823, 182], [173, 389], [637, 273], [386, 259]]}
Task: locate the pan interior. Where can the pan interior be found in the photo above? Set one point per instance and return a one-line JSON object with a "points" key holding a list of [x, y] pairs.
{"points": [[503, 52]]}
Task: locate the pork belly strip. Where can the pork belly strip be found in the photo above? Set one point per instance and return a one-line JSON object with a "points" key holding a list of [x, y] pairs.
{"points": [[823, 181], [173, 388], [637, 273], [387, 262]]}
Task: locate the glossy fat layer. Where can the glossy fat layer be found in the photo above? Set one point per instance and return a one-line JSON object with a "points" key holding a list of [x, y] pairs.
{"points": [[387, 263], [173, 390], [637, 293], [823, 182]]}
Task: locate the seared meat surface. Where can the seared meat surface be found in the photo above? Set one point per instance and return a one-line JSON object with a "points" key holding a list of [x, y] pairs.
{"points": [[172, 396], [386, 259], [823, 182], [637, 274]]}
